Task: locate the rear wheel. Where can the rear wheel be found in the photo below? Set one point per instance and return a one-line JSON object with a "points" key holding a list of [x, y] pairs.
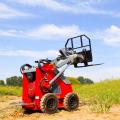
{"points": [[71, 101], [49, 103]]}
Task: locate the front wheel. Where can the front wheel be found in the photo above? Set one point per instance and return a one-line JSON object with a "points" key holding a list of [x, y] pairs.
{"points": [[71, 101], [49, 103]]}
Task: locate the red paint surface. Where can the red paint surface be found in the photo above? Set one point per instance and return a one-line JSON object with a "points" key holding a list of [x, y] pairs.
{"points": [[32, 89]]}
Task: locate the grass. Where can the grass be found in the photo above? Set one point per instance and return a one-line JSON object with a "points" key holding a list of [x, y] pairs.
{"points": [[10, 90], [100, 96]]}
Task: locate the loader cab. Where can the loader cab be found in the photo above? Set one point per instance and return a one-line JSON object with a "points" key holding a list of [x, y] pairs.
{"points": [[80, 45]]}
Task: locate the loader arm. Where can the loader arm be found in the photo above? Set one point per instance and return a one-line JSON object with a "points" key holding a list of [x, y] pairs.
{"points": [[74, 55]]}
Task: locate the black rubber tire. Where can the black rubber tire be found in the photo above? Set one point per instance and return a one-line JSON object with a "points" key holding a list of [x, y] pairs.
{"points": [[71, 101], [49, 103]]}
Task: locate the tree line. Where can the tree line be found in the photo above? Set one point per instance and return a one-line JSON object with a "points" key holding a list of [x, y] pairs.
{"points": [[17, 81], [12, 81]]}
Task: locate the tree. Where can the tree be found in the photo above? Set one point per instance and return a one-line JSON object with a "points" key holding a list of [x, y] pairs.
{"points": [[83, 80], [14, 81], [73, 80], [88, 81], [2, 82]]}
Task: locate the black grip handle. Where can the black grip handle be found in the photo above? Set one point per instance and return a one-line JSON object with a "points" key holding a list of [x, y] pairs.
{"points": [[23, 67], [36, 61]]}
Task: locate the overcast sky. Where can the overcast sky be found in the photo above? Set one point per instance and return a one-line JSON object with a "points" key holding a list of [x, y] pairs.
{"points": [[35, 29]]}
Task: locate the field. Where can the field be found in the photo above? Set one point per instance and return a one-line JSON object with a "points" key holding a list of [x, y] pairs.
{"points": [[100, 96], [96, 99], [10, 90]]}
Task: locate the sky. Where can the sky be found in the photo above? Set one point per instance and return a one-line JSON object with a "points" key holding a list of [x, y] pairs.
{"points": [[35, 29]]}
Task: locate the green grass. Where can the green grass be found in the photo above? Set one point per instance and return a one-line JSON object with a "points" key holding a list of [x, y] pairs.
{"points": [[100, 96], [10, 90]]}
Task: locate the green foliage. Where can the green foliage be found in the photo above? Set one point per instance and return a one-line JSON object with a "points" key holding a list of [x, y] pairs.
{"points": [[100, 96], [2, 82], [10, 90], [83, 80], [14, 81], [73, 80], [80, 80]]}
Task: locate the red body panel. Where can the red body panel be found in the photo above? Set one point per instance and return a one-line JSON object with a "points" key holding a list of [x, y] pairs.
{"points": [[33, 92]]}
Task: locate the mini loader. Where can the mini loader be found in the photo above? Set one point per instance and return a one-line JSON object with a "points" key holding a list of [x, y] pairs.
{"points": [[45, 87]]}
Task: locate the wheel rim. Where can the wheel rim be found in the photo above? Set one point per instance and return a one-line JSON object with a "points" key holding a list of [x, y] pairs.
{"points": [[73, 102], [51, 104]]}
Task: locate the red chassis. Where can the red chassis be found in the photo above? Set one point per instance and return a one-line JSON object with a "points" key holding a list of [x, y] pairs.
{"points": [[33, 91]]}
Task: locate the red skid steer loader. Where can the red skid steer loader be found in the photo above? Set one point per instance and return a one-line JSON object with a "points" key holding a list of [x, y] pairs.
{"points": [[45, 87]]}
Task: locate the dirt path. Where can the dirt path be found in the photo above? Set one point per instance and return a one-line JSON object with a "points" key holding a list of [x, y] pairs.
{"points": [[6, 107], [7, 101], [83, 113]]}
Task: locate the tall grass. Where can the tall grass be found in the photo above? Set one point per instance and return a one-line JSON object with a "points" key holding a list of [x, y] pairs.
{"points": [[10, 90], [100, 96]]}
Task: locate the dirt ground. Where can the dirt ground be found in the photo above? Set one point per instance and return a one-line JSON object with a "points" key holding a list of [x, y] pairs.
{"points": [[9, 112]]}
